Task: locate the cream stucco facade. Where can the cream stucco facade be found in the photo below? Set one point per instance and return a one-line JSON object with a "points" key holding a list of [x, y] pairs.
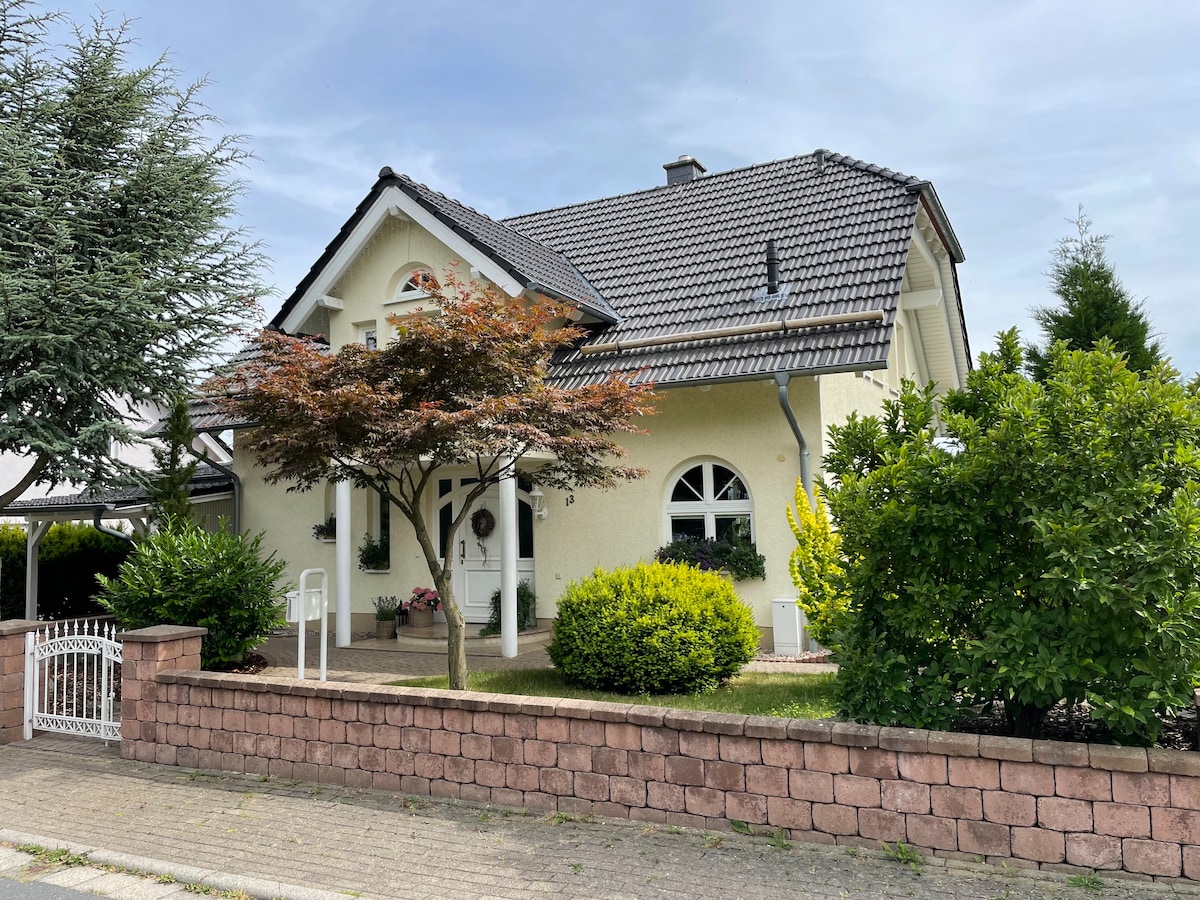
{"points": [[738, 424]]}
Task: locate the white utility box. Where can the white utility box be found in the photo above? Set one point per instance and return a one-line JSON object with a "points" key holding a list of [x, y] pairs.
{"points": [[789, 625]]}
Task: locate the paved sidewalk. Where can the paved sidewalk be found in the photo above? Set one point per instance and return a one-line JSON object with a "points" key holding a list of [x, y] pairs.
{"points": [[274, 835]]}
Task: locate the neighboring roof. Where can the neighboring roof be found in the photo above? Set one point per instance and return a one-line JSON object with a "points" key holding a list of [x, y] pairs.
{"points": [[207, 480], [691, 257], [535, 266]]}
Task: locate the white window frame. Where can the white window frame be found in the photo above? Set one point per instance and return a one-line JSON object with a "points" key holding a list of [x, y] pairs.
{"points": [[708, 507], [403, 296], [366, 331]]}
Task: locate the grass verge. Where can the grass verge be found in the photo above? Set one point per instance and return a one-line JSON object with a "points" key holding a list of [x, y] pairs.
{"points": [[791, 695]]}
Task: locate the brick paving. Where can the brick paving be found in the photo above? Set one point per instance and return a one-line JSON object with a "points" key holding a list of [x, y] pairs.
{"points": [[377, 844], [378, 662]]}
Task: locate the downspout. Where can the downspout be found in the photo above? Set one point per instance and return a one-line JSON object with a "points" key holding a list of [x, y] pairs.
{"points": [[781, 382], [237, 486], [104, 529]]}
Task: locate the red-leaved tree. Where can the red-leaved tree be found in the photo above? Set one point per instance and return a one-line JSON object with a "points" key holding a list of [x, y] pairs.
{"points": [[464, 383]]}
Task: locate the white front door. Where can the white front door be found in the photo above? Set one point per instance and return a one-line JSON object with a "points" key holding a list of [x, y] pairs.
{"points": [[477, 545]]}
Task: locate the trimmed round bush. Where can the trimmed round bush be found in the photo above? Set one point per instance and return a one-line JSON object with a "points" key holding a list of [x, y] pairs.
{"points": [[185, 575], [654, 628]]}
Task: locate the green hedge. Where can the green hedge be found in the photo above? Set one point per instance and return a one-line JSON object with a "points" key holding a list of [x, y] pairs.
{"points": [[655, 628], [70, 557]]}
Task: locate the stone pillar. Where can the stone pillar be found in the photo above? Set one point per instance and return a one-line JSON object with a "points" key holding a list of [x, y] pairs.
{"points": [[144, 653], [12, 678]]}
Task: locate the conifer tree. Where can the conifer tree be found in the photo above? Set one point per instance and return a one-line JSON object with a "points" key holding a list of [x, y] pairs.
{"points": [[170, 491], [1094, 305], [120, 273]]}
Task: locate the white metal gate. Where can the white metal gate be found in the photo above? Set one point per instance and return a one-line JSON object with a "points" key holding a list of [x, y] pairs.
{"points": [[72, 677]]}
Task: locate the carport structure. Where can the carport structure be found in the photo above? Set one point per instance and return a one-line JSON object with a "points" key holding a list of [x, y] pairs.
{"points": [[211, 492]]}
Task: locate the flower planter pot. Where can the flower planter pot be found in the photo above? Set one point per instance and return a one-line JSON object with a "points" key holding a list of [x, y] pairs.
{"points": [[385, 630], [420, 618]]}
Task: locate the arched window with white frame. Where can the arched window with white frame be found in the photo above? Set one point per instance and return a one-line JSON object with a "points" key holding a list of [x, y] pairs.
{"points": [[708, 499], [415, 285]]}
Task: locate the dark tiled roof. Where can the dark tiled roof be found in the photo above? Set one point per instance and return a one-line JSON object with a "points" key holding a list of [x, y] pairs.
{"points": [[527, 259], [691, 257], [535, 266], [207, 480]]}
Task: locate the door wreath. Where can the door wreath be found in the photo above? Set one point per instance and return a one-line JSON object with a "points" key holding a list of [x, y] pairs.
{"points": [[483, 523]]}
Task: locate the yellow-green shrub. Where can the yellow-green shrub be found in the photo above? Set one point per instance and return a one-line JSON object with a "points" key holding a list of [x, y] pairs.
{"points": [[653, 628], [816, 566]]}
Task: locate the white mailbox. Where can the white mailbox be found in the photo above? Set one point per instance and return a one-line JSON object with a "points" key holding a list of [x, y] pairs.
{"points": [[312, 606]]}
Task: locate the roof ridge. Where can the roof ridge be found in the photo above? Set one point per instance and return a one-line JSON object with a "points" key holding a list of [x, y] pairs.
{"points": [[850, 161]]}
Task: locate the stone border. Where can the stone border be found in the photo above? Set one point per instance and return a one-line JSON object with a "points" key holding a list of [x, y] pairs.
{"points": [[1036, 804]]}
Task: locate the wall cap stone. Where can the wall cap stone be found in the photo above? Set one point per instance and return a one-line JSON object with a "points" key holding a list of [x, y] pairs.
{"points": [[19, 626], [158, 634]]}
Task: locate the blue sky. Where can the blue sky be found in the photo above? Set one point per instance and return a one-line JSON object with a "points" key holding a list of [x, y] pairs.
{"points": [[1017, 111]]}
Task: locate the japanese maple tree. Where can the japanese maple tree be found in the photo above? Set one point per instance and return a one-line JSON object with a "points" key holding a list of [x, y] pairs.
{"points": [[464, 383]]}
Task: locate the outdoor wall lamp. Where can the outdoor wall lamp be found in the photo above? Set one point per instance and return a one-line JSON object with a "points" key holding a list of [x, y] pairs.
{"points": [[537, 502]]}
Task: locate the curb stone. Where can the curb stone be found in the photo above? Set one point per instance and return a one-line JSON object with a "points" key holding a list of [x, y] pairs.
{"points": [[258, 888]]}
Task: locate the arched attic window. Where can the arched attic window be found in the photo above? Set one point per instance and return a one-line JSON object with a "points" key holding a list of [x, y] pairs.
{"points": [[709, 500], [415, 285]]}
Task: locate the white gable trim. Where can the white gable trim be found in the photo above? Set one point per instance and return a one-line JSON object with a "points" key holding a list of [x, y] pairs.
{"points": [[393, 202]]}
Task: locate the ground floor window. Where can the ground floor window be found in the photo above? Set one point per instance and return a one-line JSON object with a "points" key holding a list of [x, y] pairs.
{"points": [[709, 500]]}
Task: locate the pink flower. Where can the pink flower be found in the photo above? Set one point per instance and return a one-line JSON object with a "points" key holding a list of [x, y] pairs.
{"points": [[424, 598]]}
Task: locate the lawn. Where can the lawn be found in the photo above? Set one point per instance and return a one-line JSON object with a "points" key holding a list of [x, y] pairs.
{"points": [[751, 693]]}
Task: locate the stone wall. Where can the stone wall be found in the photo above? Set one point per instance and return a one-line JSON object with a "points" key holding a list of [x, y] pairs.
{"points": [[1027, 803]]}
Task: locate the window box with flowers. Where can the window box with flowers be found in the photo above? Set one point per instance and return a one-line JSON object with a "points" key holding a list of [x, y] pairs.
{"points": [[374, 555], [421, 606], [326, 531]]}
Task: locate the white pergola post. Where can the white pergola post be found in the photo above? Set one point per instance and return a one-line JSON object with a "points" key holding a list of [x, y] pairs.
{"points": [[341, 563], [508, 560], [35, 531]]}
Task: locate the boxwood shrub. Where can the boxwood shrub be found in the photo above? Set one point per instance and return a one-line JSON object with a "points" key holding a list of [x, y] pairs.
{"points": [[654, 628]]}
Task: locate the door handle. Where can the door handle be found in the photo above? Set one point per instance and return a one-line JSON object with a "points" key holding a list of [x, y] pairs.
{"points": [[462, 551]]}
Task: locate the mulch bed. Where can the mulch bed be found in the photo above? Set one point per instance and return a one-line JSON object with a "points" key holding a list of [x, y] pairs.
{"points": [[1074, 723], [251, 664]]}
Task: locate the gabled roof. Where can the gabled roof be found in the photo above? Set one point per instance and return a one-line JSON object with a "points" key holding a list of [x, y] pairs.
{"points": [[533, 265], [691, 257]]}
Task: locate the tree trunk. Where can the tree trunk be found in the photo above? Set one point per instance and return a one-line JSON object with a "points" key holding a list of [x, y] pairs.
{"points": [[39, 466], [456, 644]]}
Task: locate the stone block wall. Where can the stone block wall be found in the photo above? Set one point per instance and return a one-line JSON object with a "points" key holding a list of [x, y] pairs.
{"points": [[1027, 803]]}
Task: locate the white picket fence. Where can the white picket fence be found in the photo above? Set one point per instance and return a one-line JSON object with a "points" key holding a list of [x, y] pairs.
{"points": [[72, 675]]}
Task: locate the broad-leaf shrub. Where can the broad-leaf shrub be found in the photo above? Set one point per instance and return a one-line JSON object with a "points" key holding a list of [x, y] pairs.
{"points": [[1050, 551], [654, 628], [189, 576], [526, 610], [816, 566]]}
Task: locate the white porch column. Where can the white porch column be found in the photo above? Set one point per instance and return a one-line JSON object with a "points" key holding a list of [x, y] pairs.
{"points": [[34, 532], [508, 561], [341, 562]]}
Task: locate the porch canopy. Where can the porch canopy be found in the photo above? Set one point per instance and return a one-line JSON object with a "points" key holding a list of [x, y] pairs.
{"points": [[210, 489]]}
